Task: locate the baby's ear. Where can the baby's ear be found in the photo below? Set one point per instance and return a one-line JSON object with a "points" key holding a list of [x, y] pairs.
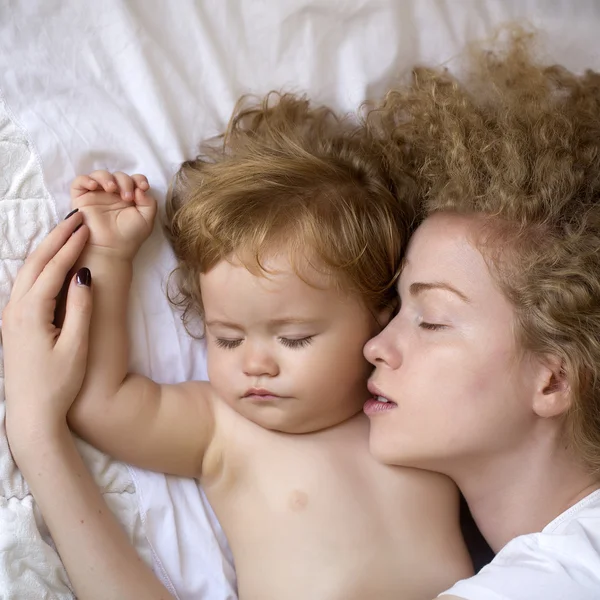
{"points": [[553, 395]]}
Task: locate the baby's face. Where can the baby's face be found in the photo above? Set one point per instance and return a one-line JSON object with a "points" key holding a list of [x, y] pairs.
{"points": [[281, 352]]}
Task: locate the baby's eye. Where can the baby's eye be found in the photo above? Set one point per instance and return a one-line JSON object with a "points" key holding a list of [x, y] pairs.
{"points": [[296, 343], [228, 344]]}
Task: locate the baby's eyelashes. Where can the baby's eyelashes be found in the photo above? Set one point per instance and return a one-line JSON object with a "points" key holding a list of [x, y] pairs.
{"points": [[288, 342], [296, 342], [228, 344]]}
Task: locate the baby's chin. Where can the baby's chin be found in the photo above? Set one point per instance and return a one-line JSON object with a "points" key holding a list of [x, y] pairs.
{"points": [[287, 420]]}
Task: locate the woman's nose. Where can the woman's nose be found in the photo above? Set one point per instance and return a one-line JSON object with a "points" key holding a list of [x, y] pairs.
{"points": [[383, 349]]}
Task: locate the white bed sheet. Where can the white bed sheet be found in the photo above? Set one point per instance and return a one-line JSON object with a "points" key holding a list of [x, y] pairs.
{"points": [[134, 85]]}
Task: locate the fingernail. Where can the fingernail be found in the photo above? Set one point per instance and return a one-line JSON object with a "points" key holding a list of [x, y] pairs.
{"points": [[84, 277], [72, 213], [77, 228]]}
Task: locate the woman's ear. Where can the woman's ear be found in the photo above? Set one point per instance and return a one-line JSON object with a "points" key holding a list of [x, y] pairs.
{"points": [[553, 392]]}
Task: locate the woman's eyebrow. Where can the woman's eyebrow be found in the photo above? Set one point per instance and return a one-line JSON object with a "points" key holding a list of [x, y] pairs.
{"points": [[419, 287]]}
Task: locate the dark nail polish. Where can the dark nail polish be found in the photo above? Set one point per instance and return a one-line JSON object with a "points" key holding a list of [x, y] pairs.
{"points": [[84, 277], [72, 213], [77, 228]]}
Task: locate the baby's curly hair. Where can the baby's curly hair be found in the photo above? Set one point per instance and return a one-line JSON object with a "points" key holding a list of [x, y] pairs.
{"points": [[287, 175], [517, 143]]}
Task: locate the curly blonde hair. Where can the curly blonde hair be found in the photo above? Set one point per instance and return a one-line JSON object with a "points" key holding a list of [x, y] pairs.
{"points": [[287, 175], [517, 143]]}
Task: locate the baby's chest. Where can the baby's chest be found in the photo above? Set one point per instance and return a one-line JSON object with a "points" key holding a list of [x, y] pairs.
{"points": [[302, 507], [303, 512], [321, 488], [299, 480]]}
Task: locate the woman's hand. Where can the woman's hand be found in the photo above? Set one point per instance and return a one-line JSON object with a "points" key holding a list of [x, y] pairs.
{"points": [[45, 365]]}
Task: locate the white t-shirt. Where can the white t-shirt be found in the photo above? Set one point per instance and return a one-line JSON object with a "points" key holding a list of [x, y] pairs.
{"points": [[562, 562]]}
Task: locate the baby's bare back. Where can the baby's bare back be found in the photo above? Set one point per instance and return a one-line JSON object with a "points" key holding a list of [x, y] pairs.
{"points": [[314, 516]]}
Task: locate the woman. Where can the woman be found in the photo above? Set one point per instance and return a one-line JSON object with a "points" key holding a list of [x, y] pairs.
{"points": [[490, 371], [44, 369]]}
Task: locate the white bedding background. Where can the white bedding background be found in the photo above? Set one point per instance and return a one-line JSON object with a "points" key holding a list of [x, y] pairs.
{"points": [[134, 85]]}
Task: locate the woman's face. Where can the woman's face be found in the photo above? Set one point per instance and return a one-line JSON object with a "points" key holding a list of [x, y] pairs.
{"points": [[459, 389]]}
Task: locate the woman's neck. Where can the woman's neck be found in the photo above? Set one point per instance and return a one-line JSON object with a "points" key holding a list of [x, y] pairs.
{"points": [[520, 493]]}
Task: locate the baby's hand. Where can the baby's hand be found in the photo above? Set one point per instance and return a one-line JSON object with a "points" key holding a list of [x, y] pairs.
{"points": [[117, 210]]}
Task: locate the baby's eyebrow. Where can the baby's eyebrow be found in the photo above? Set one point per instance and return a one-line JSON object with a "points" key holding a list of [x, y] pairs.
{"points": [[274, 322], [229, 324], [292, 321]]}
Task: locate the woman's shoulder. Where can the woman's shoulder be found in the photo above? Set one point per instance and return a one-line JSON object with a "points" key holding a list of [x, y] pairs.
{"points": [[586, 513], [561, 561]]}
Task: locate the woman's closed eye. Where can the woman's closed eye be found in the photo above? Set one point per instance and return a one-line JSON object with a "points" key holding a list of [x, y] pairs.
{"points": [[296, 342], [432, 326]]}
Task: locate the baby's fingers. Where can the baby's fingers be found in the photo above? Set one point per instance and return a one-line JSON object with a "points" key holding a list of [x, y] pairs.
{"points": [[81, 185], [146, 205], [141, 182], [126, 185], [106, 180]]}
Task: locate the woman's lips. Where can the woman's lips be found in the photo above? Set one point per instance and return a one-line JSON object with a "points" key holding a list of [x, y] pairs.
{"points": [[377, 405]]}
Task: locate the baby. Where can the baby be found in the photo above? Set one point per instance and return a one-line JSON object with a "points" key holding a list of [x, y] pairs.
{"points": [[288, 237]]}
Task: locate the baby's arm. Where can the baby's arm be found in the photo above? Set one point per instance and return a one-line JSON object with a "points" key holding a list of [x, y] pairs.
{"points": [[165, 428]]}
